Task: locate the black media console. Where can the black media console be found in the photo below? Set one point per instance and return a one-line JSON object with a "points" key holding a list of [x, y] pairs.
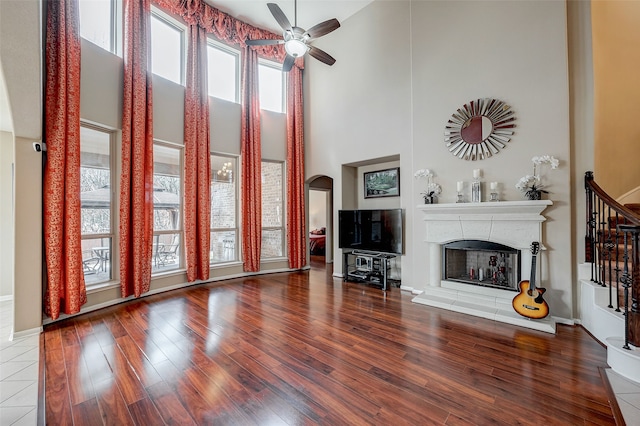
{"points": [[367, 266]]}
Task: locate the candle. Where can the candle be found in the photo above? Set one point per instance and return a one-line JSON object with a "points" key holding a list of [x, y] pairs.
{"points": [[494, 185], [476, 173], [460, 186]]}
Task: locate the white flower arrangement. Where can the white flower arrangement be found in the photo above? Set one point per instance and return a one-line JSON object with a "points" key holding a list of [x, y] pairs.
{"points": [[433, 189], [531, 184], [423, 173]]}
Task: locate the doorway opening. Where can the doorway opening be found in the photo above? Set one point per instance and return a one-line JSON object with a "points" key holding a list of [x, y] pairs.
{"points": [[320, 219]]}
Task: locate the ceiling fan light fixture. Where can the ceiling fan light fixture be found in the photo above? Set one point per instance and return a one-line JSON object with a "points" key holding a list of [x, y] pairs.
{"points": [[295, 47]]}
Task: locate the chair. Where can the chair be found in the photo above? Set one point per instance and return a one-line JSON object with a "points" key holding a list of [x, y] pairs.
{"points": [[167, 254], [90, 263]]}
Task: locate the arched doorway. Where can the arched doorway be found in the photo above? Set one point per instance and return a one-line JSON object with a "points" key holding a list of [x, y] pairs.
{"points": [[320, 218]]}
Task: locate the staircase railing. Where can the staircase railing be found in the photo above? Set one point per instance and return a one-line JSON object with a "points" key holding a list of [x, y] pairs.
{"points": [[612, 246]]}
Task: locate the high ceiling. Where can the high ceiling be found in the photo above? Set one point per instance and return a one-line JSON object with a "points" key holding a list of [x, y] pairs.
{"points": [[310, 12]]}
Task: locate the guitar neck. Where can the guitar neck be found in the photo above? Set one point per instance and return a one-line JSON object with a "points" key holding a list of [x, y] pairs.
{"points": [[532, 280]]}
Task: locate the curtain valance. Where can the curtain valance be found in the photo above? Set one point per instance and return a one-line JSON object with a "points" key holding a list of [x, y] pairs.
{"points": [[225, 27]]}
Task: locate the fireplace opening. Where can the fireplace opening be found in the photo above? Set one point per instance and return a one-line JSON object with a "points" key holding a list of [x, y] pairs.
{"points": [[481, 263]]}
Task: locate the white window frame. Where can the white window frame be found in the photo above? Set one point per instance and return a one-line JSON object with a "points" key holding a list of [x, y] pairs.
{"points": [[116, 28], [283, 225], [236, 163], [215, 44], [180, 230], [114, 207], [277, 66], [173, 22]]}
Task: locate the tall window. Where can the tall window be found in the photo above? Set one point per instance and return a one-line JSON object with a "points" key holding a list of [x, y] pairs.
{"points": [[224, 208], [167, 208], [223, 68], [271, 81], [167, 47], [272, 209], [100, 23], [96, 202]]}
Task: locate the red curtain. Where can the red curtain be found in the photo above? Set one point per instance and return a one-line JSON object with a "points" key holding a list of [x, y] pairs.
{"points": [[65, 288], [296, 229], [197, 180], [251, 189], [233, 31], [136, 180]]}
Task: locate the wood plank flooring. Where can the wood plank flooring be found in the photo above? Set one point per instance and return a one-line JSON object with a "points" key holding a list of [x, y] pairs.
{"points": [[305, 348]]}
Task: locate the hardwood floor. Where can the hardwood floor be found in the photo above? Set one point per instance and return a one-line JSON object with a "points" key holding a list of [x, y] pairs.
{"points": [[304, 348]]}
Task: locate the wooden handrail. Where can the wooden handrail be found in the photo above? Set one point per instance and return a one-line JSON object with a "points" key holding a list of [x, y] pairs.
{"points": [[624, 211]]}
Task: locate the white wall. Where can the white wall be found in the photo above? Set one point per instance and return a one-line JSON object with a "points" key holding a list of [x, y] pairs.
{"points": [[317, 209], [404, 67], [360, 108], [6, 215]]}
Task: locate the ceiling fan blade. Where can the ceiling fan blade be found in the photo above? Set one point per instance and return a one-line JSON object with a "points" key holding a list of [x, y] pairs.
{"points": [[263, 42], [288, 63], [281, 18], [321, 55], [323, 28]]}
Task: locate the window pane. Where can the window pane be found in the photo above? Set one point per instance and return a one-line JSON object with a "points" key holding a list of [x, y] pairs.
{"points": [[270, 81], [271, 243], [95, 181], [271, 194], [166, 188], [223, 246], [222, 74], [166, 52], [223, 209], [223, 192], [166, 252], [272, 209], [95, 22], [96, 260]]}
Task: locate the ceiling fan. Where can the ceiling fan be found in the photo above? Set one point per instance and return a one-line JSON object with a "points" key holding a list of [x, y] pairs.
{"points": [[296, 40]]}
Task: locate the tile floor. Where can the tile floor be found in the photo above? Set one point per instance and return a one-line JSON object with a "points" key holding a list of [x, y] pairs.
{"points": [[19, 379], [628, 397], [19, 360]]}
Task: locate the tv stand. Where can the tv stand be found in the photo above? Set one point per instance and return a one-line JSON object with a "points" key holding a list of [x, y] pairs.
{"points": [[367, 266]]}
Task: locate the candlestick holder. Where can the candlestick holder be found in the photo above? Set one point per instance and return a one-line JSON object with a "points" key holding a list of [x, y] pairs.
{"points": [[460, 198], [476, 191], [494, 196]]}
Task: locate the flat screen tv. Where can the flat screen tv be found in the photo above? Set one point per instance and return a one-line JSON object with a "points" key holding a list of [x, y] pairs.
{"points": [[371, 230]]}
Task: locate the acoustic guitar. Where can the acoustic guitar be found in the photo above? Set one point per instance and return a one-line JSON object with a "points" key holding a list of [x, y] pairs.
{"points": [[529, 302]]}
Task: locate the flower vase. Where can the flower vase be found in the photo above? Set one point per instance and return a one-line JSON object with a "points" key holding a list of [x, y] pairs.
{"points": [[533, 194], [430, 199]]}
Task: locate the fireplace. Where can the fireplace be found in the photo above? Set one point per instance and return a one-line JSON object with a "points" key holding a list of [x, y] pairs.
{"points": [[470, 234], [481, 263]]}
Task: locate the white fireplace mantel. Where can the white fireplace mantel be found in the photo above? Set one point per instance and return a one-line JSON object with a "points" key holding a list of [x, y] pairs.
{"points": [[513, 223]]}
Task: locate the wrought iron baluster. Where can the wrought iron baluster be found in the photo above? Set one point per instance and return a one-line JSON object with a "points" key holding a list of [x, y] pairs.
{"points": [[601, 239], [607, 254], [617, 268]]}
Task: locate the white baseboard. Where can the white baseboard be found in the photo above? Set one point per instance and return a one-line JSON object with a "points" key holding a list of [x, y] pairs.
{"points": [[25, 333]]}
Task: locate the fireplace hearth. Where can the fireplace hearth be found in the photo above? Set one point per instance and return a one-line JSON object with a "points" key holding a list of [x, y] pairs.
{"points": [[481, 263]]}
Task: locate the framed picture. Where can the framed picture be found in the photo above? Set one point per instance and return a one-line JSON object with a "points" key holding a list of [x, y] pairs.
{"points": [[382, 183]]}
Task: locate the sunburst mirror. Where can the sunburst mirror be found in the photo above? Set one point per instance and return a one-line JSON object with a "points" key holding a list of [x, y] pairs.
{"points": [[479, 129]]}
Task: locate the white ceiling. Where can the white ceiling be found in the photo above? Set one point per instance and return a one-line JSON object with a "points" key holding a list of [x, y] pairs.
{"points": [[310, 12]]}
